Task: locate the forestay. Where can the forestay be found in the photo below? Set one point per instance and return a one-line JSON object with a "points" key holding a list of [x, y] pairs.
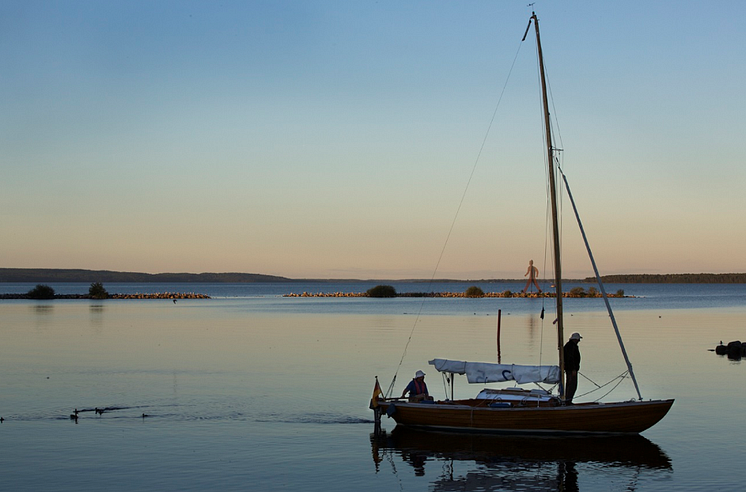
{"points": [[487, 372]]}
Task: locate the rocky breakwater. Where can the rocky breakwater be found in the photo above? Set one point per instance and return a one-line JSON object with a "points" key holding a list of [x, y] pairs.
{"points": [[157, 295], [327, 294], [161, 295], [505, 294]]}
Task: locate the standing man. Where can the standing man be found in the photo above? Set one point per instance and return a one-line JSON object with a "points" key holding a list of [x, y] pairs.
{"points": [[572, 366]]}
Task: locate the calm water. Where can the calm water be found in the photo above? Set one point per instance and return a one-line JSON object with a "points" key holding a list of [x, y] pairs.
{"points": [[252, 391]]}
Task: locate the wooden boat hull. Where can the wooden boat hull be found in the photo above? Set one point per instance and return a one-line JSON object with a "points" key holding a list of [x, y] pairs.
{"points": [[630, 417]]}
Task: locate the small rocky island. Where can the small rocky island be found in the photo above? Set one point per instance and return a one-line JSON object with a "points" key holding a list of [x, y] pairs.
{"points": [[735, 350]]}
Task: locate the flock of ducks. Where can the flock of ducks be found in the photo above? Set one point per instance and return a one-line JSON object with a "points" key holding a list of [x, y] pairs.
{"points": [[97, 411]]}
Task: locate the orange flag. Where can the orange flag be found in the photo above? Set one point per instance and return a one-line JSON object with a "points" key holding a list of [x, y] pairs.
{"points": [[377, 393]]}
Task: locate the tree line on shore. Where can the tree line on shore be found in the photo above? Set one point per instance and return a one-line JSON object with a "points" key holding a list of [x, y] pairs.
{"points": [[23, 275], [34, 275], [674, 278]]}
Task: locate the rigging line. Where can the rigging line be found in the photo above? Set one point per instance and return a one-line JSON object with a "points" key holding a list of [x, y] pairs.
{"points": [[544, 389], [547, 213], [556, 152], [612, 389], [445, 384], [560, 197], [601, 286], [390, 457], [547, 222], [547, 219], [455, 217], [620, 378], [556, 126], [589, 379]]}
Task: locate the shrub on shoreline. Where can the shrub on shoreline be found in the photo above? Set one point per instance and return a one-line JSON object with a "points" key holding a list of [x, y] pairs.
{"points": [[97, 291], [474, 291], [41, 292], [381, 291], [578, 292]]}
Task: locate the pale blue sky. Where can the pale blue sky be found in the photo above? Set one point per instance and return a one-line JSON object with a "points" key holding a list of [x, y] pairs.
{"points": [[335, 139]]}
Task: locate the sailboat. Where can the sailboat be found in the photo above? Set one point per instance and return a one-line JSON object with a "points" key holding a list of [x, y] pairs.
{"points": [[518, 409]]}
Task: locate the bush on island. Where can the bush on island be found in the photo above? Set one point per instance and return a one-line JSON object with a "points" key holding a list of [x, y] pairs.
{"points": [[97, 291], [474, 291], [620, 293], [577, 292], [41, 292], [381, 291], [507, 293]]}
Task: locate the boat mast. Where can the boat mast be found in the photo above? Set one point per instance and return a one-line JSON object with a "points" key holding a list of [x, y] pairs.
{"points": [[553, 194]]}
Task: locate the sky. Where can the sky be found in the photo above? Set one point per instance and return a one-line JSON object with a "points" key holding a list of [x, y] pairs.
{"points": [[337, 139]]}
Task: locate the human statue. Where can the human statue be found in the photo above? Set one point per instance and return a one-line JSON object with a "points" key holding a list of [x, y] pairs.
{"points": [[532, 274]]}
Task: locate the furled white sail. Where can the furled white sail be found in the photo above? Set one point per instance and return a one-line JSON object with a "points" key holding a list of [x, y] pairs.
{"points": [[487, 372]]}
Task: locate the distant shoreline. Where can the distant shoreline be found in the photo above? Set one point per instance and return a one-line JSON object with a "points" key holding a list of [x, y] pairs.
{"points": [[49, 275], [157, 295]]}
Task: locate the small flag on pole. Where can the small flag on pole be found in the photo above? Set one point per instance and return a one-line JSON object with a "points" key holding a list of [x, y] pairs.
{"points": [[377, 394]]}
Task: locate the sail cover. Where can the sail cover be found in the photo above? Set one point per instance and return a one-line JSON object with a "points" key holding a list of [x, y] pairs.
{"points": [[487, 372]]}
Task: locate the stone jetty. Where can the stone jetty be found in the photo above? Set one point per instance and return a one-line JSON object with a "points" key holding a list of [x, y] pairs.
{"points": [[161, 295], [327, 294], [156, 295], [506, 294]]}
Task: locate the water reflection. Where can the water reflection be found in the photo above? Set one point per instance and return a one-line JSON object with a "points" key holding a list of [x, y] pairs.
{"points": [[492, 462], [43, 316], [96, 317], [42, 309]]}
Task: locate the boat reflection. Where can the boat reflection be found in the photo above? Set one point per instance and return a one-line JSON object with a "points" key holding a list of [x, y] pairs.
{"points": [[457, 461]]}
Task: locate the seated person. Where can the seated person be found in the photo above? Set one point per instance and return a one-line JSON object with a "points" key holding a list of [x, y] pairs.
{"points": [[417, 389]]}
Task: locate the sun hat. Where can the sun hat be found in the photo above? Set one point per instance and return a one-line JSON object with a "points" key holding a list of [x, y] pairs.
{"points": [[575, 336], [419, 374]]}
